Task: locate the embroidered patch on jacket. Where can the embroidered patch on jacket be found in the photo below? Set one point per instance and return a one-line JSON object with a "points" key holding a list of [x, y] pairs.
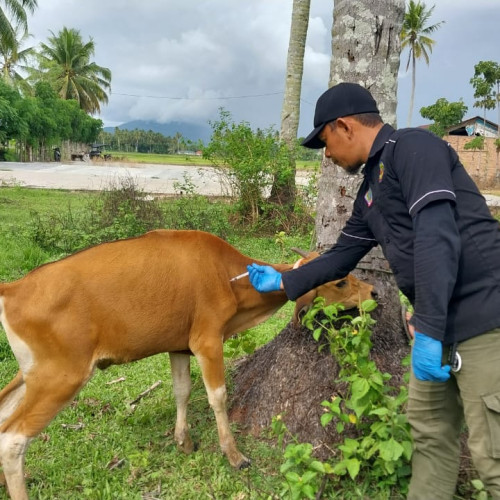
{"points": [[369, 197], [381, 169]]}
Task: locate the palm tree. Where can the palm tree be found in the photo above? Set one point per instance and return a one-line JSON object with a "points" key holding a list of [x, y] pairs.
{"points": [[283, 189], [17, 11], [415, 36], [13, 57], [65, 63]]}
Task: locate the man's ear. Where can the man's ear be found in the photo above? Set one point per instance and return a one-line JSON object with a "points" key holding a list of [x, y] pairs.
{"points": [[344, 126]]}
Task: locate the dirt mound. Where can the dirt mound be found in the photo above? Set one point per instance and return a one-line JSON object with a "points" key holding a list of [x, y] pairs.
{"points": [[291, 376]]}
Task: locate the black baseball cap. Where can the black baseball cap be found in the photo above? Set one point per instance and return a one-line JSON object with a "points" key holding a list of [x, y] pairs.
{"points": [[344, 99]]}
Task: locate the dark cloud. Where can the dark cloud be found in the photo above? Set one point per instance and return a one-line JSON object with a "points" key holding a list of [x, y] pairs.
{"points": [[182, 60]]}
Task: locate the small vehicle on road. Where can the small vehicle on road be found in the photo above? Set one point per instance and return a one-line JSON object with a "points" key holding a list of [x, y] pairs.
{"points": [[96, 152]]}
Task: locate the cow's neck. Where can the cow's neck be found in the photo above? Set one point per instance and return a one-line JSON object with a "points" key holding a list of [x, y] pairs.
{"points": [[254, 307]]}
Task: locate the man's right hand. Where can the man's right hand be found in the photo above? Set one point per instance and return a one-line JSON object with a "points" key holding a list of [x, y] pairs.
{"points": [[426, 359], [264, 278]]}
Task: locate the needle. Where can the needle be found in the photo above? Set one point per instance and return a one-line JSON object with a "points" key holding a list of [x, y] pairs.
{"points": [[239, 276]]}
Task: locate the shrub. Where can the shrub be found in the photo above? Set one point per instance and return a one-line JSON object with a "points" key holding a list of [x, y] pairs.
{"points": [[247, 161], [476, 143], [121, 211], [190, 210]]}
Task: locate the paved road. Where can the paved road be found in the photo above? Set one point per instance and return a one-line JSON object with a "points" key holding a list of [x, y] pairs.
{"points": [[96, 176], [156, 179]]}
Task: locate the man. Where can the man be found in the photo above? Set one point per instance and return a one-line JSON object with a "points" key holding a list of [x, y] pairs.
{"points": [[418, 203]]}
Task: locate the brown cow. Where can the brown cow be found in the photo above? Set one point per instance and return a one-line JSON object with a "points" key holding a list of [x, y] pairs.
{"points": [[166, 291]]}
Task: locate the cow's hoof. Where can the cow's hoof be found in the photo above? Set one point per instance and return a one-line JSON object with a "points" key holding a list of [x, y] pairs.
{"points": [[245, 464], [187, 446]]}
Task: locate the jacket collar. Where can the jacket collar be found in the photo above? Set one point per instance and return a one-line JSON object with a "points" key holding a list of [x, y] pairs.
{"points": [[378, 144], [380, 141]]}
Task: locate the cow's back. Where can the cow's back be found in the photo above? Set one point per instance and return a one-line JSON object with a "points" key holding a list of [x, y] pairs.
{"points": [[146, 292]]}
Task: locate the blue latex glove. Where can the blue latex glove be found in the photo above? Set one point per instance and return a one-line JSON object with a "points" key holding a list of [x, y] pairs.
{"points": [[264, 278], [426, 359]]}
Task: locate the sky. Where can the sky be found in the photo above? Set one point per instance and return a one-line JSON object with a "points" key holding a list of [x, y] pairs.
{"points": [[183, 60]]}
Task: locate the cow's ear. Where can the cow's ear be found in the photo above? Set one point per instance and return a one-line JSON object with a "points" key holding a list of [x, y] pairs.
{"points": [[298, 263], [302, 305], [306, 257]]}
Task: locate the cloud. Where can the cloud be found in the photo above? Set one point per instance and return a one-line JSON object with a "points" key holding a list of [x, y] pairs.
{"points": [[183, 60]]}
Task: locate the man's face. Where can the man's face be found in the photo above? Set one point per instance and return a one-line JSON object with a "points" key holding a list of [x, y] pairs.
{"points": [[341, 146]]}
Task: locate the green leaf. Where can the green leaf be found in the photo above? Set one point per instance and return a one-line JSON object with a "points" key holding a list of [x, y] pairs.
{"points": [[349, 447], [368, 305], [340, 468], [317, 466], [353, 466], [286, 466], [376, 378], [478, 484], [379, 411], [359, 388], [308, 491], [380, 429], [408, 449], [390, 450], [326, 418], [317, 334], [293, 477]]}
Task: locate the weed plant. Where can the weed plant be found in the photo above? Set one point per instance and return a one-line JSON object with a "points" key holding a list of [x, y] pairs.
{"points": [[124, 210], [375, 454]]}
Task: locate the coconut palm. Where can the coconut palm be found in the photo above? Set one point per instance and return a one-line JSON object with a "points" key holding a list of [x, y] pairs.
{"points": [[283, 189], [13, 57], [415, 36], [14, 10], [65, 63]]}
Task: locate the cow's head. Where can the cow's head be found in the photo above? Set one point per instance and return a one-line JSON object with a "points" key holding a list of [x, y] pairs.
{"points": [[348, 291]]}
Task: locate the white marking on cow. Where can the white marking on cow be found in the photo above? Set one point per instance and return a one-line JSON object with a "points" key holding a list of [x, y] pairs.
{"points": [[19, 347]]}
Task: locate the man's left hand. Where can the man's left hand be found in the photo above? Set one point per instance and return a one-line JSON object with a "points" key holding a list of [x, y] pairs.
{"points": [[426, 359]]}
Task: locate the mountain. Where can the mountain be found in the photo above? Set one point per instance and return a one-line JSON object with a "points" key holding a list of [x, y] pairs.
{"points": [[187, 130]]}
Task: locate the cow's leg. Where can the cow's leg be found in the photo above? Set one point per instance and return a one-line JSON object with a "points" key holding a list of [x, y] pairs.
{"points": [[211, 362], [12, 451], [11, 395], [181, 377], [48, 389]]}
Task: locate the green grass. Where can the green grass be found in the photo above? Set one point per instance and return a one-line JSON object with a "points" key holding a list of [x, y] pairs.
{"points": [[67, 462], [174, 159], [170, 159], [17, 254], [74, 456]]}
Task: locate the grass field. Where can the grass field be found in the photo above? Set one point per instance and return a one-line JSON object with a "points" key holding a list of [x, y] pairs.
{"points": [[173, 159], [101, 448]]}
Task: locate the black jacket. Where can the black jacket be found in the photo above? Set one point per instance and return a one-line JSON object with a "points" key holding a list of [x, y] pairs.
{"points": [[419, 204]]}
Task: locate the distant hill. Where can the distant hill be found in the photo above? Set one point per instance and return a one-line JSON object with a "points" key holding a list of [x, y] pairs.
{"points": [[187, 130]]}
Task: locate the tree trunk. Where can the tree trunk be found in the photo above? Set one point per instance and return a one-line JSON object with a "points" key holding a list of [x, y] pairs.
{"points": [[366, 50], [289, 376], [283, 189], [413, 84]]}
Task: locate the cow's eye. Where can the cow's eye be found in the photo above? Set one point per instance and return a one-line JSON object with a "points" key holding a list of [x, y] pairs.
{"points": [[341, 284]]}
